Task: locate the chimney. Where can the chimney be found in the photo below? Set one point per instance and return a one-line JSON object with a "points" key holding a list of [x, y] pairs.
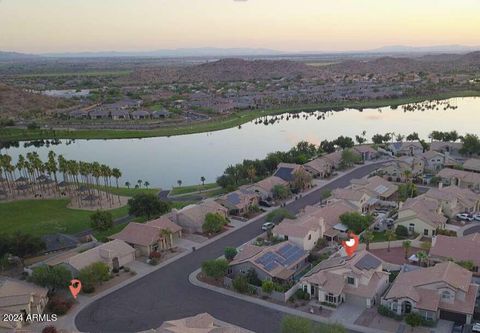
{"points": [[440, 185]]}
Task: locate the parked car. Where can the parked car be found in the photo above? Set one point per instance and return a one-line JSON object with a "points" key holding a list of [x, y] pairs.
{"points": [[465, 217], [476, 327], [457, 328], [267, 226], [476, 217], [264, 203]]}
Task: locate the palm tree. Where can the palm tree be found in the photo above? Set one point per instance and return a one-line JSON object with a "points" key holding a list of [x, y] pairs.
{"points": [[422, 256], [127, 184], [146, 184], [167, 235], [117, 174], [139, 182], [406, 245], [251, 173], [203, 180], [179, 182], [368, 237], [390, 235]]}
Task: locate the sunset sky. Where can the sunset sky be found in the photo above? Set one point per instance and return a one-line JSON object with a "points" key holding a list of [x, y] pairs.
{"points": [[290, 25]]}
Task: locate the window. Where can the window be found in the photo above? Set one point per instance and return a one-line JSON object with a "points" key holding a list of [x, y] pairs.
{"points": [[330, 299], [425, 232], [433, 232], [350, 280], [309, 236], [445, 294], [411, 227]]}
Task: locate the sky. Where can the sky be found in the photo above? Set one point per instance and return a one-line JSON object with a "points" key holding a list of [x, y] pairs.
{"points": [[38, 26]]}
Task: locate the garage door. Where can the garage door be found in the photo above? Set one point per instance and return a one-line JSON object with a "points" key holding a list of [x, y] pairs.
{"points": [[357, 300], [458, 318]]}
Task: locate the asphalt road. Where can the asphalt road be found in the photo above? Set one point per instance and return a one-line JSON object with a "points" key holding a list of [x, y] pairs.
{"points": [[472, 229], [166, 294]]}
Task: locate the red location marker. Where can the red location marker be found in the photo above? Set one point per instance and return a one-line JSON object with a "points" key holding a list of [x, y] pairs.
{"points": [[351, 245], [75, 287]]}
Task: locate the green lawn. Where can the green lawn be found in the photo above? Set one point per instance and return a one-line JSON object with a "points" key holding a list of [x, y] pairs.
{"points": [[129, 192], [102, 235], [39, 217], [233, 120], [192, 188]]}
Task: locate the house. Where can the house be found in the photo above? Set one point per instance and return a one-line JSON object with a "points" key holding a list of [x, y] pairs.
{"points": [[358, 280], [115, 254], [239, 202], [366, 152], [201, 323], [150, 237], [304, 231], [192, 217], [140, 114], [334, 158], [59, 242], [264, 188], [460, 178], [446, 147], [119, 114], [357, 198], [20, 298], [454, 200], [320, 167], [464, 248], [408, 148], [281, 263], [435, 161], [331, 217], [421, 215], [162, 114], [286, 171], [472, 165], [78, 114], [375, 187], [444, 291], [99, 114], [398, 169]]}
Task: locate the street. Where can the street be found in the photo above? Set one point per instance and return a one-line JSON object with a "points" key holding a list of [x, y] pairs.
{"points": [[166, 294]]}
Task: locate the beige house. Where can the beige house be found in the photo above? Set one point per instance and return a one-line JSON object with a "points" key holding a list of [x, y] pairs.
{"points": [[359, 199], [359, 280], [366, 152], [304, 231], [375, 187], [331, 217], [115, 254], [435, 161], [444, 291], [239, 202], [446, 147], [454, 200], [408, 148], [421, 215], [201, 323], [334, 158], [264, 188], [396, 170], [152, 236], [192, 217], [282, 262], [20, 298], [460, 178], [464, 248], [320, 167], [472, 165]]}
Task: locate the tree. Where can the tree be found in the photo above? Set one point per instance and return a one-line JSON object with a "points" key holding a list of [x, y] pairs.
{"points": [[280, 192], [179, 182], [147, 204], [214, 222], [252, 277], [389, 235], [379, 139], [406, 191], [413, 320], [101, 220], [230, 253], [127, 184], [401, 231], [51, 276], [406, 246], [355, 221], [360, 139], [426, 246], [327, 146], [349, 158], [294, 324], [93, 275], [240, 284], [267, 286], [344, 142], [422, 257], [301, 180], [146, 184], [21, 245], [202, 179], [413, 137], [368, 238], [215, 268], [471, 144]]}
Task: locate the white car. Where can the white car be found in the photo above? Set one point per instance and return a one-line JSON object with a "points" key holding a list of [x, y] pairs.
{"points": [[476, 217], [465, 217], [476, 327], [267, 226]]}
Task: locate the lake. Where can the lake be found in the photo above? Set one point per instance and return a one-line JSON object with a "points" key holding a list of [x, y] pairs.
{"points": [[164, 160]]}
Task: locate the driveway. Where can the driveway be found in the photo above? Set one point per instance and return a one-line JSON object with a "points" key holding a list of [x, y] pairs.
{"points": [[167, 294]]}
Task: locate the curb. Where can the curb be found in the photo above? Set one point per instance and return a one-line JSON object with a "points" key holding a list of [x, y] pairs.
{"points": [[281, 308]]}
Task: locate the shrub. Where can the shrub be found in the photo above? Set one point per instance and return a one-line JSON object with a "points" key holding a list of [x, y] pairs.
{"points": [[276, 216], [215, 268], [33, 126], [126, 269], [252, 278], [267, 286], [59, 305], [214, 223], [302, 294], [240, 284], [101, 220], [94, 274], [51, 277], [230, 253], [413, 319], [147, 204], [386, 312], [401, 231]]}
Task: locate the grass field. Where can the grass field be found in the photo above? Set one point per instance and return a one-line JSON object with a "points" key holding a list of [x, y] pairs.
{"points": [[192, 188], [102, 235], [129, 192], [39, 217], [233, 120]]}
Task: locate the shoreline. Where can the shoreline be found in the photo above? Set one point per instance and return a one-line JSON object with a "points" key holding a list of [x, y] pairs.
{"points": [[233, 120]]}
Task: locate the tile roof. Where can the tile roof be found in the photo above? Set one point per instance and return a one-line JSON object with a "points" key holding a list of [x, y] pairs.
{"points": [[466, 176], [425, 209], [458, 248], [330, 213], [268, 183], [139, 234], [472, 164], [164, 223], [299, 227], [201, 323], [348, 194], [198, 211]]}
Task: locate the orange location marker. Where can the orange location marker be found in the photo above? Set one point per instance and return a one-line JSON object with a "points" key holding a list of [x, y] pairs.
{"points": [[351, 245], [75, 287]]}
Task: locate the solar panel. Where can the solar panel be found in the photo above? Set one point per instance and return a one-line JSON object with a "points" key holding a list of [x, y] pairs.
{"points": [[271, 266], [381, 189], [368, 262]]}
